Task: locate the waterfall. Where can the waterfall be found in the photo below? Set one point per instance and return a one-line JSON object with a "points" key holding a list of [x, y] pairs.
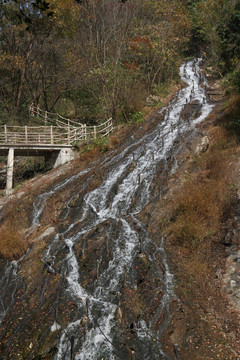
{"points": [[113, 208]]}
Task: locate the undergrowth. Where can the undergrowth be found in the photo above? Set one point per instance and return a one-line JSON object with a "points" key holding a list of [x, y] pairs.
{"points": [[205, 197], [231, 116], [13, 243], [100, 144]]}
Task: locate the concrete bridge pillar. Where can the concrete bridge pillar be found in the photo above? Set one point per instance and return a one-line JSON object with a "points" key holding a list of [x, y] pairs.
{"points": [[56, 158], [10, 162]]}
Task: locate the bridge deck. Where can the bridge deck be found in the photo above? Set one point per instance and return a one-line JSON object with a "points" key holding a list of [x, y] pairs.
{"points": [[32, 150]]}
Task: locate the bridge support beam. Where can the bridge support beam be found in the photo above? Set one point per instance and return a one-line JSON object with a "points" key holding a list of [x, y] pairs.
{"points": [[56, 158], [10, 162]]}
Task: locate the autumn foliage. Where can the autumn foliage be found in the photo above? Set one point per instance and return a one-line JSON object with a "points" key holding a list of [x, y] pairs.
{"points": [[199, 208], [90, 56]]}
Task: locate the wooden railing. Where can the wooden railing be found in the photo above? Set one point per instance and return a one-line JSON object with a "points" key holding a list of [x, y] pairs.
{"points": [[50, 118], [88, 132], [56, 130], [34, 135]]}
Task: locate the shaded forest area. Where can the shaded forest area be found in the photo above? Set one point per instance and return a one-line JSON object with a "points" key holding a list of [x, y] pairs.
{"points": [[92, 59]]}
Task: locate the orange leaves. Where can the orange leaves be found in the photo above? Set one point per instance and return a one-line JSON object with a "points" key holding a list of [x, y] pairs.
{"points": [[131, 66], [138, 42]]}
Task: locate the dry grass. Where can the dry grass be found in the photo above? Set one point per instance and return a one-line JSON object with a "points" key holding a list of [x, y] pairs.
{"points": [[13, 244], [115, 140], [16, 219], [90, 155], [233, 105], [205, 197], [199, 211], [231, 116], [195, 273]]}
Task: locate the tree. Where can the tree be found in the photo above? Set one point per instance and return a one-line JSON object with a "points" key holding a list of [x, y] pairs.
{"points": [[111, 54], [32, 53]]}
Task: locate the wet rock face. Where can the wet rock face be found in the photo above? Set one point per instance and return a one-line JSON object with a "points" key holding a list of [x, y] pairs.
{"points": [[231, 277], [98, 286], [192, 110]]}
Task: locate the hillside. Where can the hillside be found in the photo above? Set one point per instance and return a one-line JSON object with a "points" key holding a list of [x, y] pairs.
{"points": [[125, 247], [130, 251]]}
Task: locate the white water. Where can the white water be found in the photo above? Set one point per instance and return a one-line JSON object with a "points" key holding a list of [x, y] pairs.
{"points": [[10, 282], [143, 161], [6, 281]]}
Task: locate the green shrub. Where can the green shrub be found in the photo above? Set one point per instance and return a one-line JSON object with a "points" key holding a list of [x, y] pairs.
{"points": [[102, 143], [136, 117]]}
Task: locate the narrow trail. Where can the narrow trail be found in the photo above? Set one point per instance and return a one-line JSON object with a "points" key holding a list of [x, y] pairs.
{"points": [[109, 214]]}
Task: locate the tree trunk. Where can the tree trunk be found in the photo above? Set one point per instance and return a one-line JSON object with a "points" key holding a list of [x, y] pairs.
{"points": [[22, 78]]}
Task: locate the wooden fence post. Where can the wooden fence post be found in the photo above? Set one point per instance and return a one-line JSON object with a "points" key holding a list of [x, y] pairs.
{"points": [[45, 118], [26, 135], [10, 162], [95, 132], [85, 131], [69, 134], [82, 133], [5, 132], [51, 134]]}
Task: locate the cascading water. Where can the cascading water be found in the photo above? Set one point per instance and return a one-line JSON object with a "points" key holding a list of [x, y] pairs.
{"points": [[10, 282], [6, 282], [114, 207], [133, 177]]}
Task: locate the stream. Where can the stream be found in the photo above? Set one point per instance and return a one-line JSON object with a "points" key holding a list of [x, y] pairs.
{"points": [[110, 214]]}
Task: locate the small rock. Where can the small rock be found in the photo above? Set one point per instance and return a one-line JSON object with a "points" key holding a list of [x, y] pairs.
{"points": [[47, 232], [233, 283], [55, 326], [227, 240], [203, 146], [231, 270], [153, 99]]}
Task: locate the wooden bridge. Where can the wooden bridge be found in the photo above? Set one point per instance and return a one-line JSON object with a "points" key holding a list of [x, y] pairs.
{"points": [[53, 129], [54, 138]]}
